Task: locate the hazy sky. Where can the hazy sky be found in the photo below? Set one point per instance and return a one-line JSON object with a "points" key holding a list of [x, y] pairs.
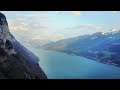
{"points": [[55, 25]]}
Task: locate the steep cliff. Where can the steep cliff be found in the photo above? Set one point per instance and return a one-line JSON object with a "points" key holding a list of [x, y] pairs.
{"points": [[16, 61]]}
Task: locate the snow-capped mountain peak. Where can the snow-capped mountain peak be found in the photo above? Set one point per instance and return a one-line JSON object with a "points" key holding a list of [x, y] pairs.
{"points": [[114, 30]]}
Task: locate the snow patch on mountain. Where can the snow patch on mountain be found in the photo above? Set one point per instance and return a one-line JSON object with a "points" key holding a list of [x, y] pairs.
{"points": [[93, 37]]}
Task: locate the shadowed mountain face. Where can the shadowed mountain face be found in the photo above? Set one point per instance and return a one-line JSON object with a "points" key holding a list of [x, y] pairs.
{"points": [[16, 61], [103, 47]]}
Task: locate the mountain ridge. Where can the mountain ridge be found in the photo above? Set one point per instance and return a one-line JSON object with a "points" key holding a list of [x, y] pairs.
{"points": [[16, 61], [99, 46]]}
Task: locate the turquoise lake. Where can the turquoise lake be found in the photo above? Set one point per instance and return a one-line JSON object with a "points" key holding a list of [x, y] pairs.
{"points": [[57, 65]]}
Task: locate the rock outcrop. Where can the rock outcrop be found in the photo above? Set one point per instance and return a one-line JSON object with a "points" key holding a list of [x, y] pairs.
{"points": [[16, 61]]}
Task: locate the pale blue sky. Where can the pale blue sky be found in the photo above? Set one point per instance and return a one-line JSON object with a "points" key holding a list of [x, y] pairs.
{"points": [[56, 25]]}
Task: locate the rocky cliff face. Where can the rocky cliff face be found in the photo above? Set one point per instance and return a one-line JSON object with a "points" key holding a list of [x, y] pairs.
{"points": [[16, 61]]}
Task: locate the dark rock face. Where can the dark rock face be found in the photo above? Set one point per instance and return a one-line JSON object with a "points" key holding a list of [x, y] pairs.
{"points": [[9, 45], [14, 67], [2, 19], [16, 61]]}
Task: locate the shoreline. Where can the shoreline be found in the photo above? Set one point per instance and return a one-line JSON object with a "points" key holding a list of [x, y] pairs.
{"points": [[91, 58]]}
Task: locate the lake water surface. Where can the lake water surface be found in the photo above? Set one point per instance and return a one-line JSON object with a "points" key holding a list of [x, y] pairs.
{"points": [[59, 65]]}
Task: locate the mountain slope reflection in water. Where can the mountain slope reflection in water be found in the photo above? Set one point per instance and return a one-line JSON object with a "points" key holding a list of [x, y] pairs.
{"points": [[59, 65]]}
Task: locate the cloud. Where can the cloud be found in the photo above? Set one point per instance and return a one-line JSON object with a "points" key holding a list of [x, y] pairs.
{"points": [[90, 26], [25, 24], [29, 26], [8, 12], [114, 12], [47, 37], [75, 13], [35, 15], [57, 12], [40, 37], [17, 24]]}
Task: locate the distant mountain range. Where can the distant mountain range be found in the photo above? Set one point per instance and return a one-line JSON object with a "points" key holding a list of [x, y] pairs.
{"points": [[35, 43], [103, 47]]}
